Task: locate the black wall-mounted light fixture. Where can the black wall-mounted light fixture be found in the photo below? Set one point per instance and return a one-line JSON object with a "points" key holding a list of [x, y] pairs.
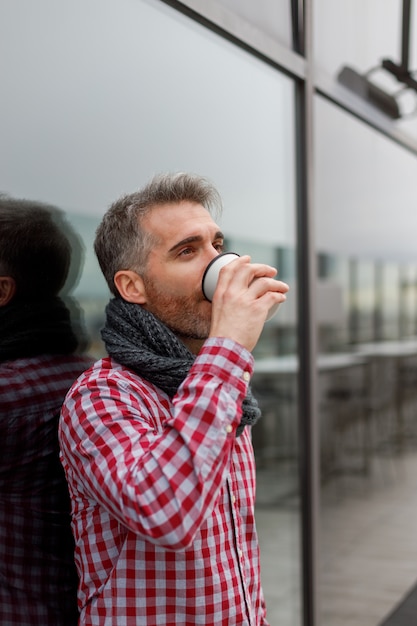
{"points": [[364, 87]]}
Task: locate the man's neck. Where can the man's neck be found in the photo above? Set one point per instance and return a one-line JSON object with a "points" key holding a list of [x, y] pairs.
{"points": [[194, 345]]}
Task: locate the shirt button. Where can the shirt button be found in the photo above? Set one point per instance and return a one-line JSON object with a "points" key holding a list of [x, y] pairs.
{"points": [[246, 376], [229, 428], [240, 554], [233, 499]]}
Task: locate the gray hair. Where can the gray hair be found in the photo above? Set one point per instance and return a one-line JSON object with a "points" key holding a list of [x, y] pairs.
{"points": [[122, 244]]}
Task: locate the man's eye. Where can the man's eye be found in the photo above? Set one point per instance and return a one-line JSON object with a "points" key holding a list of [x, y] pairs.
{"points": [[186, 251], [219, 247]]}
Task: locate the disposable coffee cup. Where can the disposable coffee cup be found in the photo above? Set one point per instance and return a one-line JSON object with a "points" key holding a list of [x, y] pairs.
{"points": [[211, 276]]}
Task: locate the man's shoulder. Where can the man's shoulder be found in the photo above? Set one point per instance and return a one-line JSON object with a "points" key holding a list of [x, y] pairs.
{"points": [[108, 372], [107, 384], [106, 367]]}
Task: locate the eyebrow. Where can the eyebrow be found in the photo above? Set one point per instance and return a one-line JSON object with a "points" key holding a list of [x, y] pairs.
{"points": [[194, 239]]}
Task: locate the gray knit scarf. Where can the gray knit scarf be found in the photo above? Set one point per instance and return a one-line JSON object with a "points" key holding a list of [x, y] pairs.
{"points": [[140, 341]]}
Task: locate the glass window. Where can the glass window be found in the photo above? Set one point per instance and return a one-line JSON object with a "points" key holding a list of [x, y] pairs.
{"points": [[363, 300], [364, 189], [364, 217], [360, 35], [273, 18], [391, 300], [100, 96], [408, 300], [356, 33], [334, 302], [91, 291]]}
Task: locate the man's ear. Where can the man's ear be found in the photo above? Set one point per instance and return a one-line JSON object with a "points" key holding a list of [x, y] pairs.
{"points": [[7, 289], [130, 286]]}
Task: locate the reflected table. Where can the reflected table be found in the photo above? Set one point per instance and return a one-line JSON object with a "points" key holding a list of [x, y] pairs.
{"points": [[342, 382], [393, 389]]}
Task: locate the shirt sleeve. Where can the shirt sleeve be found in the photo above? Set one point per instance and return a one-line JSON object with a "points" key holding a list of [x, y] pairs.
{"points": [[158, 479]]}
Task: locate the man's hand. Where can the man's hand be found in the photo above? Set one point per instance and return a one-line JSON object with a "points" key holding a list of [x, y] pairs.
{"points": [[244, 294]]}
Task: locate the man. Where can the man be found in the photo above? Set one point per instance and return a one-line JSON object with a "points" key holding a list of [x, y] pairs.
{"points": [[155, 439], [38, 579]]}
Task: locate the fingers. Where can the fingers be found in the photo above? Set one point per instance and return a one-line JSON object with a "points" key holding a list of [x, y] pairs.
{"points": [[258, 277], [243, 299], [262, 285]]}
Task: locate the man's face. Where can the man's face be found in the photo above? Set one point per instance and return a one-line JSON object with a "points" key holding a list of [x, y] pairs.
{"points": [[187, 240]]}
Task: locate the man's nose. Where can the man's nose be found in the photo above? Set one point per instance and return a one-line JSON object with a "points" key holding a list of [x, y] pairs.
{"points": [[212, 254], [209, 254]]}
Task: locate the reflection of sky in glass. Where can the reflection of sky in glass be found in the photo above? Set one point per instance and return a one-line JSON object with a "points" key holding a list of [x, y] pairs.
{"points": [[360, 34], [364, 189], [134, 88], [272, 18]]}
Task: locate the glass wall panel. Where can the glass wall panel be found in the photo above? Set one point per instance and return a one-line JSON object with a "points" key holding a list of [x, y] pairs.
{"points": [[355, 33], [391, 300], [363, 298], [99, 96], [408, 300], [360, 35], [334, 302], [364, 213], [364, 190], [91, 290], [273, 18]]}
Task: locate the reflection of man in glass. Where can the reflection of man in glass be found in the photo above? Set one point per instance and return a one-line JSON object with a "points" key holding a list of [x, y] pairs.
{"points": [[38, 579], [156, 438]]}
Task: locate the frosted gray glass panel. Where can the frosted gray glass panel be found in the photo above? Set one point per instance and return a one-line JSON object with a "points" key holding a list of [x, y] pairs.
{"points": [[97, 97], [273, 18], [364, 189]]}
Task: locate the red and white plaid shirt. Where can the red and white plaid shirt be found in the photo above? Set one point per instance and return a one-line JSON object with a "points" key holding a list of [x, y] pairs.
{"points": [[163, 495]]}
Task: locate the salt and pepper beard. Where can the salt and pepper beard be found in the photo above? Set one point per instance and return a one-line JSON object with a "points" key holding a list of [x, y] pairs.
{"points": [[183, 314]]}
